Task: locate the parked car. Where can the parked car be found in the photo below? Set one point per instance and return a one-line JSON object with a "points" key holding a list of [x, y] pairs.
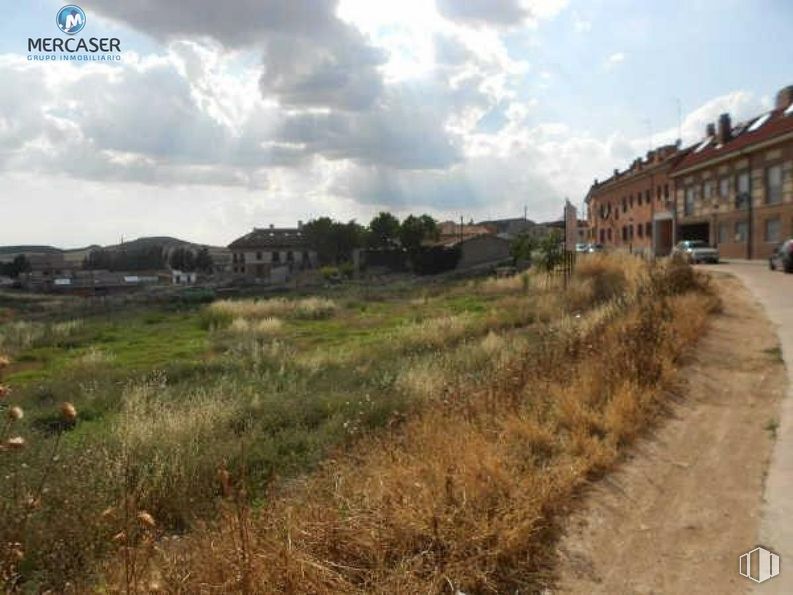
{"points": [[782, 258], [696, 251], [595, 248], [582, 248]]}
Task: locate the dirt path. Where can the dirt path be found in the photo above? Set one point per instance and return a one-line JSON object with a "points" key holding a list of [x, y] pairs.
{"points": [[677, 514]]}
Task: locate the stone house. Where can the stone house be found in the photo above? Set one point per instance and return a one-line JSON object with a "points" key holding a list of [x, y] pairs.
{"points": [[272, 253]]}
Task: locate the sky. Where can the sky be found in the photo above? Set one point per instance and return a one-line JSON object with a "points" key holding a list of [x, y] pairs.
{"points": [[222, 116]]}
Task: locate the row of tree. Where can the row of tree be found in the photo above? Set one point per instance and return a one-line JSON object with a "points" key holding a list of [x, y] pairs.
{"points": [[335, 241], [150, 258], [13, 269]]}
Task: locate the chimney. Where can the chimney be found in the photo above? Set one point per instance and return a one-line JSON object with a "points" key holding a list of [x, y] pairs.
{"points": [[616, 172], [710, 130], [725, 128], [299, 224], [784, 97], [272, 226]]}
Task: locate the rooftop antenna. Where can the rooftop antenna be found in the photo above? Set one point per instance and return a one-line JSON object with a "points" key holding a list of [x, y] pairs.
{"points": [[679, 120], [525, 212]]}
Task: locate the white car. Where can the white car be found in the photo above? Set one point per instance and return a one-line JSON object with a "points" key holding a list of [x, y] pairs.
{"points": [[696, 251]]}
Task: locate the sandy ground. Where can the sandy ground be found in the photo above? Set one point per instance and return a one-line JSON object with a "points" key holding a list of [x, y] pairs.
{"points": [[686, 503]]}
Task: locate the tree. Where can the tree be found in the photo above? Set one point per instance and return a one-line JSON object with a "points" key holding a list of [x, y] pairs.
{"points": [[183, 259], [415, 230], [204, 261], [13, 269], [551, 250], [334, 241], [523, 246], [383, 230]]}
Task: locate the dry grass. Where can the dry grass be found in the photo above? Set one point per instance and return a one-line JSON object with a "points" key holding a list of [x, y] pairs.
{"points": [[465, 495], [225, 312]]}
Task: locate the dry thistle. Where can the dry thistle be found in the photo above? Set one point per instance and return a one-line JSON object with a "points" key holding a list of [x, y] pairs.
{"points": [[17, 552], [68, 412], [15, 443], [4, 391], [4, 361], [15, 413], [120, 537], [146, 520]]}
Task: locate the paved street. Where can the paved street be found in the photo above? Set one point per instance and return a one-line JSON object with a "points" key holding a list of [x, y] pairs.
{"points": [[774, 290]]}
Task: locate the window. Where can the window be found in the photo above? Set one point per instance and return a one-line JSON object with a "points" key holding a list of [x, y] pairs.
{"points": [[742, 185], [631, 200], [647, 194], [234, 259], [640, 230], [724, 187], [609, 234], [624, 205], [276, 256], [258, 256], [624, 234], [658, 193], [707, 189], [602, 236], [688, 206], [772, 229], [759, 122], [666, 191], [773, 185], [290, 257], [648, 229], [741, 231], [723, 233]]}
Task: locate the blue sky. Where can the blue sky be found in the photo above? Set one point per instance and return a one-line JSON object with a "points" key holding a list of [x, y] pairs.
{"points": [[253, 112]]}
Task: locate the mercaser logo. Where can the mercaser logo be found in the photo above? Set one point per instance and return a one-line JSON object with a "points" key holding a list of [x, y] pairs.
{"points": [[758, 565], [71, 20]]}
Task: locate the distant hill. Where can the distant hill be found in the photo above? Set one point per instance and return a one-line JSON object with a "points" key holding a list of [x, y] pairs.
{"points": [[76, 256], [164, 241], [21, 249]]}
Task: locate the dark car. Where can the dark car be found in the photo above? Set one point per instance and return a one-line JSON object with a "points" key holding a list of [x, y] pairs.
{"points": [[782, 258]]}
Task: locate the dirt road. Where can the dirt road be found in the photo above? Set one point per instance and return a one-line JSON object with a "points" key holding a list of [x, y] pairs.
{"points": [[775, 292], [678, 513]]}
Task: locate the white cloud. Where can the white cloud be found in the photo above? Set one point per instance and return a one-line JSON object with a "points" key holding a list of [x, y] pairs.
{"points": [[615, 60]]}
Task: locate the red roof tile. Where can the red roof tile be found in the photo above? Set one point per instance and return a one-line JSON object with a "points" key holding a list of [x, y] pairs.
{"points": [[776, 125]]}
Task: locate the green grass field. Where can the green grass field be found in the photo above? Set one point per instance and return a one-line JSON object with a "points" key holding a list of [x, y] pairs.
{"points": [[170, 396], [173, 393]]}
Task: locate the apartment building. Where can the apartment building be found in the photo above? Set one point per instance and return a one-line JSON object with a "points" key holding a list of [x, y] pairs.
{"points": [[634, 209], [734, 189]]}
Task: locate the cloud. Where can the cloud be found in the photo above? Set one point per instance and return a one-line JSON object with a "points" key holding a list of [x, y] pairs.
{"points": [[614, 60], [310, 57], [580, 24], [499, 13], [484, 12]]}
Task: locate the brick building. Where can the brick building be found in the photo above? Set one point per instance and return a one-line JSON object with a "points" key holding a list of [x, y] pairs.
{"points": [[734, 189], [633, 209]]}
